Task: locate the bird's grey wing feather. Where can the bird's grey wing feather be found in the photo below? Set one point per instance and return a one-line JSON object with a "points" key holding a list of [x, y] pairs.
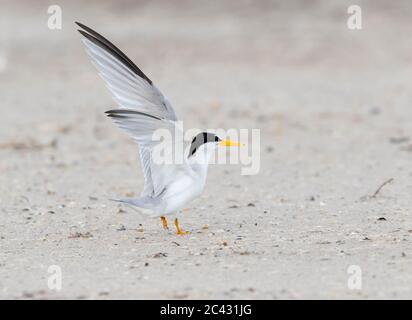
{"points": [[160, 172], [145, 159]]}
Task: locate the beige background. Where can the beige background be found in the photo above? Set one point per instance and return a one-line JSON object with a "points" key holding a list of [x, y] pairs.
{"points": [[334, 110]]}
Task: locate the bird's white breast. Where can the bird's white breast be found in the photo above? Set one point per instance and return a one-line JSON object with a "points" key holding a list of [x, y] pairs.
{"points": [[180, 193]]}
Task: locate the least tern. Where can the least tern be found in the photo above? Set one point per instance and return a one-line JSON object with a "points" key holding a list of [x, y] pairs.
{"points": [[142, 109]]}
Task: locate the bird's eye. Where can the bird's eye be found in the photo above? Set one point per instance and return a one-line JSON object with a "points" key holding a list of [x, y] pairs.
{"points": [[216, 139]]}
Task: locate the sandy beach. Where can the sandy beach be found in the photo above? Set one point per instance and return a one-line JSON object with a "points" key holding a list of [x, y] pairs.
{"points": [[333, 107]]}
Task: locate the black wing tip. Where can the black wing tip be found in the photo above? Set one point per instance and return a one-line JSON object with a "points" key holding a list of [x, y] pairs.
{"points": [[110, 113], [88, 36], [105, 44], [83, 26], [121, 111], [83, 33], [115, 115]]}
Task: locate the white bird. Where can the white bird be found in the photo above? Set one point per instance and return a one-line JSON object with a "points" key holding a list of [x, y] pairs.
{"points": [[168, 187]]}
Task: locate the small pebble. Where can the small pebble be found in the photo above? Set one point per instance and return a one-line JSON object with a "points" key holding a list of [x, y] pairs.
{"points": [[121, 228]]}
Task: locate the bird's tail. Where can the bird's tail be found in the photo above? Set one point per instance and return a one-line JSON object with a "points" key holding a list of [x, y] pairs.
{"points": [[148, 204]]}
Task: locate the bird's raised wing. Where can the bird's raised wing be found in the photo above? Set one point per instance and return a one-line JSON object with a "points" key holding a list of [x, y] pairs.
{"points": [[143, 108], [130, 87]]}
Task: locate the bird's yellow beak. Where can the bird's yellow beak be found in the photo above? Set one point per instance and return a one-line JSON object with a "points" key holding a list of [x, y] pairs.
{"points": [[229, 143]]}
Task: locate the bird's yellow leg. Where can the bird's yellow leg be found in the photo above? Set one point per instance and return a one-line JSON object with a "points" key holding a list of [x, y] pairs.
{"points": [[164, 222], [178, 230]]}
